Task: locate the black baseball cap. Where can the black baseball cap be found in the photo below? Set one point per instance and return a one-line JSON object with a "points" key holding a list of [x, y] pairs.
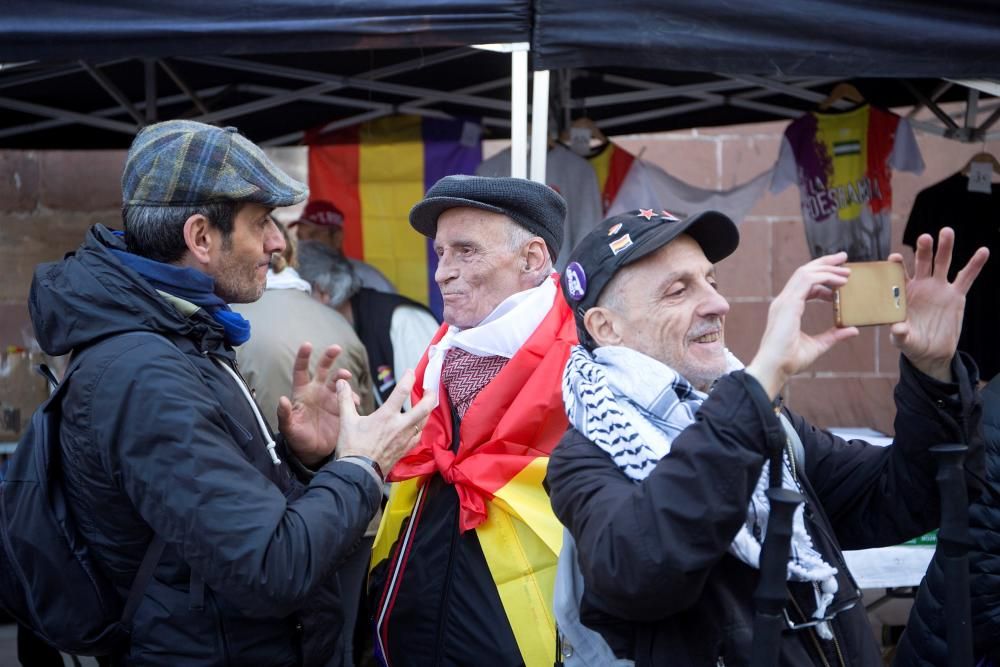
{"points": [[628, 237]]}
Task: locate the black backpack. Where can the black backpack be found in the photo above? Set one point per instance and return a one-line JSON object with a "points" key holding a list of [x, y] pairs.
{"points": [[48, 580]]}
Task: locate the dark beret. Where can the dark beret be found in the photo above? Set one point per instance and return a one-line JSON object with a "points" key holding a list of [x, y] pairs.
{"points": [[536, 207]]}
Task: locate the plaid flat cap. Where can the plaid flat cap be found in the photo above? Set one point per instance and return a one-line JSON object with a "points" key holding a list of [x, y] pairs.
{"points": [[186, 163]]}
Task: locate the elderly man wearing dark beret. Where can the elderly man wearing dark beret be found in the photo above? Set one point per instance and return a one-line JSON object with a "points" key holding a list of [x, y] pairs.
{"points": [[465, 557]]}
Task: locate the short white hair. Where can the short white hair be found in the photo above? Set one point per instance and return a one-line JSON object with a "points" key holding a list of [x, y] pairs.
{"points": [[518, 237]]}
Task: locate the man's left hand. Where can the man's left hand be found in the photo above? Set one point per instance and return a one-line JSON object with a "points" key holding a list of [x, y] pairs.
{"points": [[934, 307], [310, 420]]}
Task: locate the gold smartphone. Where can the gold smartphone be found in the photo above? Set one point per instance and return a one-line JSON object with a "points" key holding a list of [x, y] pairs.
{"points": [[874, 294]]}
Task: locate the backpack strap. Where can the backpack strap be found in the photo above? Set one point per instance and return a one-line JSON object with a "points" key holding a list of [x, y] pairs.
{"points": [[142, 578], [155, 549]]}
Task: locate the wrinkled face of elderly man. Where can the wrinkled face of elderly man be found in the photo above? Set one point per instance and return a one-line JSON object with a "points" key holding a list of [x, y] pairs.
{"points": [[483, 258], [667, 305]]}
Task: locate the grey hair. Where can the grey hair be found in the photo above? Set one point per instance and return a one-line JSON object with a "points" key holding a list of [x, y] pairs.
{"points": [[327, 271], [518, 237], [611, 295], [157, 232]]}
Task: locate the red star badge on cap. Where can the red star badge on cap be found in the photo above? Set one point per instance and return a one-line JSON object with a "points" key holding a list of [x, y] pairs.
{"points": [[646, 213]]}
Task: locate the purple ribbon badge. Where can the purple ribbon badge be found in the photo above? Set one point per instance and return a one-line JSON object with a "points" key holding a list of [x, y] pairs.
{"points": [[576, 281]]}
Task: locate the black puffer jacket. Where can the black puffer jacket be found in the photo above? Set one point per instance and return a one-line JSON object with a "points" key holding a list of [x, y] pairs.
{"points": [[659, 583], [158, 437], [924, 642]]}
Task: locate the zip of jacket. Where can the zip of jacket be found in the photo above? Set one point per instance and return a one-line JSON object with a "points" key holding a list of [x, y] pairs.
{"points": [[221, 362]]}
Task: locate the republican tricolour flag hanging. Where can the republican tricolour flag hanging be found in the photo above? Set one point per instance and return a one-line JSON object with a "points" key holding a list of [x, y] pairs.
{"points": [[374, 173]]}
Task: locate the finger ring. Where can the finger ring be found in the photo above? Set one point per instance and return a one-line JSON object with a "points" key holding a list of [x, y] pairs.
{"points": [[416, 430]]}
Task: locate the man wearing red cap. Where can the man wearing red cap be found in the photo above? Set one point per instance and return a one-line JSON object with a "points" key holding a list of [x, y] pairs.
{"points": [[322, 221]]}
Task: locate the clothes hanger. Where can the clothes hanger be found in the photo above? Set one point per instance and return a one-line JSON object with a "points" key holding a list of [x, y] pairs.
{"points": [[595, 133], [842, 91], [983, 157]]}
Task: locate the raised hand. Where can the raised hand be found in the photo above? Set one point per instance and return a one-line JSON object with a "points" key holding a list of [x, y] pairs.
{"points": [[934, 307], [784, 348], [388, 433], [310, 420]]}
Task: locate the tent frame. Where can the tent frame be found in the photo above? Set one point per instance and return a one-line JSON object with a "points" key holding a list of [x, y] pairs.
{"points": [[975, 123]]}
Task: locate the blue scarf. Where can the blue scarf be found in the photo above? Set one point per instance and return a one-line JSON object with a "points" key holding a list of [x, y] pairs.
{"points": [[190, 285]]}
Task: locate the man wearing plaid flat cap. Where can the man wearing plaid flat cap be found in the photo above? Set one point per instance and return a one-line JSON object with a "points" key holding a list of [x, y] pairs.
{"points": [[468, 542], [664, 478], [323, 222], [169, 462]]}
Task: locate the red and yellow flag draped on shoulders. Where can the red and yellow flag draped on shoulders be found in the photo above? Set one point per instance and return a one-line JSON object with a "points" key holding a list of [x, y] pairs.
{"points": [[505, 440]]}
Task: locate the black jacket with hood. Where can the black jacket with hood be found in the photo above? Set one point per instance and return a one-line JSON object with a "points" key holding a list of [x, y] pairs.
{"points": [[659, 584], [158, 438], [924, 643]]}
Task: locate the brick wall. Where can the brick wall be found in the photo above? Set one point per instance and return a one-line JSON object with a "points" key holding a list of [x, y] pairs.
{"points": [[48, 200], [852, 384]]}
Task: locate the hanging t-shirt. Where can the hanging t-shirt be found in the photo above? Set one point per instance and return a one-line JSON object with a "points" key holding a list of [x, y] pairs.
{"points": [[571, 176], [611, 165], [975, 217], [842, 164], [647, 185]]}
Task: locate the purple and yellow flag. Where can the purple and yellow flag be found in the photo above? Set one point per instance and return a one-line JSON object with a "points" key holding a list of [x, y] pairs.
{"points": [[374, 173]]}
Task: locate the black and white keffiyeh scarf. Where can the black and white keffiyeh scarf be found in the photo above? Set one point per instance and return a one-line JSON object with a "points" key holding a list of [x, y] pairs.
{"points": [[633, 406]]}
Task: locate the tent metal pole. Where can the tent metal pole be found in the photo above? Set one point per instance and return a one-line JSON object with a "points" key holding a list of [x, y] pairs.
{"points": [[102, 113], [608, 123], [539, 125], [416, 108], [366, 82], [183, 86], [971, 109], [70, 116], [519, 113], [931, 128], [266, 103], [744, 103], [692, 90], [149, 78], [938, 92], [42, 75], [114, 91], [477, 88], [565, 99], [990, 121], [950, 125], [787, 89]]}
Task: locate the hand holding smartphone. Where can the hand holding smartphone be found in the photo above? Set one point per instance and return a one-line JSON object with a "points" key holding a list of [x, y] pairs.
{"points": [[874, 294]]}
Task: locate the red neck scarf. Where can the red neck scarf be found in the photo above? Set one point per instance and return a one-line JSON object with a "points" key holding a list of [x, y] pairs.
{"points": [[516, 418]]}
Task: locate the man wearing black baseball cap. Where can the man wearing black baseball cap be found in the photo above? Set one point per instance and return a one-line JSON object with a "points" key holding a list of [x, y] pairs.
{"points": [[661, 478], [168, 459], [468, 541]]}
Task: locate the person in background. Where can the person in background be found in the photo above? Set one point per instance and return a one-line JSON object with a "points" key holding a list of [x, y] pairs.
{"points": [[661, 479], [395, 330], [283, 317], [323, 222], [924, 643]]}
